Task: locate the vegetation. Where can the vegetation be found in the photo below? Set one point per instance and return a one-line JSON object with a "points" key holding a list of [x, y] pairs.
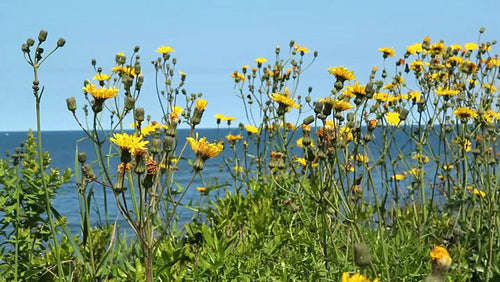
{"points": [[392, 179]]}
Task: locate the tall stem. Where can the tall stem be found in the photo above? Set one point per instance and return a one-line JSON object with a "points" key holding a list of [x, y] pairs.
{"points": [[48, 207]]}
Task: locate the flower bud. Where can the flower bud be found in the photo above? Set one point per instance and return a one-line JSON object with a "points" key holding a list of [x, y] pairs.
{"points": [[61, 42], [139, 115], [482, 29], [82, 157], [129, 103], [71, 104], [308, 120], [155, 146], [30, 42], [25, 48], [42, 36], [168, 143], [87, 172]]}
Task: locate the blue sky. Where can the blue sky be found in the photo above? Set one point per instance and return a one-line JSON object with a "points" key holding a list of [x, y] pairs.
{"points": [[212, 39]]}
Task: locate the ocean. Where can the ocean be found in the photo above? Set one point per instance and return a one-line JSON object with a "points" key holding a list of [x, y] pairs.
{"points": [[62, 146]]}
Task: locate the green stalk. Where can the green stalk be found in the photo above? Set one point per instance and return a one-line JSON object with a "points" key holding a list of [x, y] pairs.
{"points": [[48, 207], [16, 263]]}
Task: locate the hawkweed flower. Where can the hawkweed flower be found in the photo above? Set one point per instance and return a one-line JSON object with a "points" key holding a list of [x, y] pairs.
{"points": [[238, 76], [199, 108], [219, 117], [284, 102], [101, 77], [393, 118], [260, 61], [165, 49], [229, 119], [446, 91], [437, 48], [387, 52], [355, 90], [129, 145], [463, 143], [100, 95], [204, 150], [420, 158], [465, 113], [441, 260], [341, 105], [251, 129], [202, 190], [489, 115], [357, 277], [398, 177], [341, 73], [414, 49], [471, 46], [233, 138]]}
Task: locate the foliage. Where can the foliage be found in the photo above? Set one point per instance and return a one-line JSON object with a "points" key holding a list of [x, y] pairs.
{"points": [[393, 179]]}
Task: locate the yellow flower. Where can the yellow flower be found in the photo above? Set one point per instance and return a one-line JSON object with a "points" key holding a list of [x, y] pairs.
{"points": [[201, 104], [387, 51], [203, 148], [165, 49], [495, 61], [398, 177], [456, 47], [464, 113], [446, 92], [463, 143], [489, 115], [413, 171], [438, 48], [414, 49], [201, 189], [301, 49], [102, 92], [448, 167], [355, 89], [233, 138], [238, 168], [145, 131], [421, 158], [340, 105], [490, 88], [228, 118], [342, 73], [284, 100], [470, 46], [358, 277], [392, 118], [302, 161], [251, 129], [261, 60], [360, 158], [101, 77], [441, 257], [219, 117], [479, 193], [125, 70], [415, 94], [456, 59], [418, 65], [176, 111], [300, 145], [238, 76], [132, 143]]}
